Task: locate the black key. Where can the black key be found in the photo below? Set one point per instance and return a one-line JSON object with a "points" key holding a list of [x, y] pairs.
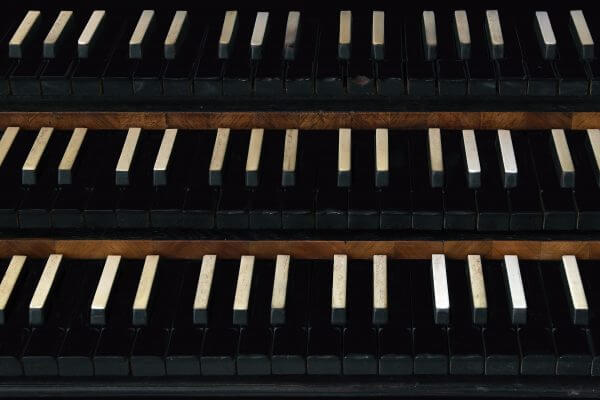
{"points": [[390, 70], [395, 200], [117, 77], [221, 338], [459, 200], [430, 340], [361, 69], [208, 79], [330, 71], [510, 70], [363, 199], [586, 186], [538, 352]]}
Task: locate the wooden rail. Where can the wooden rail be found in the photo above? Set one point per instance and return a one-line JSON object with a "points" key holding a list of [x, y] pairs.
{"points": [[317, 249], [303, 120]]}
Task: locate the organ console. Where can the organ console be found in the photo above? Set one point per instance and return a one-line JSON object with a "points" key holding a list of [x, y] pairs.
{"points": [[299, 200]]}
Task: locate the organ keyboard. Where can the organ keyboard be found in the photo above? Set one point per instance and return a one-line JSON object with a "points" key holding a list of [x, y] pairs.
{"points": [[291, 316]]}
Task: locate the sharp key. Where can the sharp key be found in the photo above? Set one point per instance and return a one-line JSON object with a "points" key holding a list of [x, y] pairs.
{"points": [[20, 39], [163, 158], [290, 42], [242, 291], [57, 33], [545, 35], [508, 162], [380, 290], [345, 35], [581, 34], [280, 284], [9, 281], [562, 159], [516, 293], [140, 313], [429, 35], [259, 34], [477, 290], [8, 137], [338, 289], [441, 299], [205, 279], [39, 300], [471, 154], [344, 175], [382, 161], [462, 35], [436, 160], [176, 34], [123, 168], [102, 295], [228, 33], [30, 166], [69, 158], [575, 291], [90, 33], [253, 158], [593, 145], [494, 34], [215, 170], [140, 35], [290, 153], [378, 35]]}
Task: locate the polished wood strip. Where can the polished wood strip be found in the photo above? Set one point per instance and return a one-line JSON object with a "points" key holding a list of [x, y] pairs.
{"points": [[319, 249], [302, 120]]}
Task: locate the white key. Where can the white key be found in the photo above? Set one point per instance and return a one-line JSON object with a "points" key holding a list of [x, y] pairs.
{"points": [[338, 289], [429, 35], [345, 35], [382, 161], [575, 292], [140, 313], [176, 34], [545, 35], [8, 137], [593, 145], [290, 151], [140, 35], [43, 289], [280, 284], [441, 299], [471, 158], [102, 295], [462, 35], [436, 159], [228, 33], [215, 170], [242, 291], [380, 290], [344, 176], [290, 41], [378, 35], [477, 290], [22, 36], [30, 167], [253, 158], [57, 33], [89, 36], [207, 272], [69, 158], [508, 161], [562, 159], [163, 158], [258, 35], [126, 158], [494, 34], [516, 292], [9, 281], [581, 34]]}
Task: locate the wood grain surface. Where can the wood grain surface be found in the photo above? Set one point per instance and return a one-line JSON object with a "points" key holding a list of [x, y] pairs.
{"points": [[302, 120], [305, 249]]}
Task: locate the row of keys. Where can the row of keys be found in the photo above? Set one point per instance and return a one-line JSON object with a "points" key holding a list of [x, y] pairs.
{"points": [[560, 153], [288, 316], [361, 179], [267, 53]]}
